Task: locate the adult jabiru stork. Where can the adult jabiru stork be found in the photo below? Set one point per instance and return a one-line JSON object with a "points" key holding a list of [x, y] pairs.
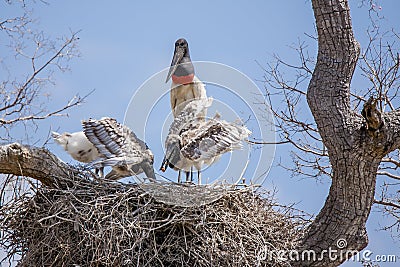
{"points": [[185, 85]]}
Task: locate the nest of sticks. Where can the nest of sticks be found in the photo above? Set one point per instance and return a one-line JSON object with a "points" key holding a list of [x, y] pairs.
{"points": [[87, 223]]}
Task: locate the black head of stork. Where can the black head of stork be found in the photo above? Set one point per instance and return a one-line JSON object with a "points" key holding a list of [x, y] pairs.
{"points": [[181, 70]]}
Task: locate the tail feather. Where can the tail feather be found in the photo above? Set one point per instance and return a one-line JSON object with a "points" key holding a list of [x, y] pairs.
{"points": [[115, 161], [114, 175]]}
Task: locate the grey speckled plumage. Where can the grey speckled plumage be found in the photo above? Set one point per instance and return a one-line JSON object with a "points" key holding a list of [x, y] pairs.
{"points": [[212, 139], [191, 116], [193, 141], [120, 148]]}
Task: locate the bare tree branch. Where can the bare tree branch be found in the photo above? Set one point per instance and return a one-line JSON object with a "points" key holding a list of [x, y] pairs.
{"points": [[22, 100], [39, 164], [386, 203]]}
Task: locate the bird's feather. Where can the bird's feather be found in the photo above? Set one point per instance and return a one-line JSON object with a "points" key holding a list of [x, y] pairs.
{"points": [[190, 116], [77, 146], [213, 138], [113, 139], [200, 141], [119, 146], [183, 94]]}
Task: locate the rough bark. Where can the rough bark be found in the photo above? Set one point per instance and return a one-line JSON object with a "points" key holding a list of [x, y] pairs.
{"points": [[37, 163], [355, 150]]}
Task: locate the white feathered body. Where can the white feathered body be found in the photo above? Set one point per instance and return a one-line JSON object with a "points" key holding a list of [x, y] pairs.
{"points": [[182, 94], [77, 146]]}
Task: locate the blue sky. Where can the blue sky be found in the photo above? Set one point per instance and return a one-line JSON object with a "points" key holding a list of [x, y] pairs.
{"points": [[124, 43]]}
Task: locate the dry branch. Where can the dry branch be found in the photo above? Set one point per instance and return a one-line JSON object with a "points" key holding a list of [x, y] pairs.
{"points": [[37, 163]]}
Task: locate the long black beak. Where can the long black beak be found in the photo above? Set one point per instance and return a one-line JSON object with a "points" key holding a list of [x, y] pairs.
{"points": [[178, 55], [164, 165], [171, 157]]}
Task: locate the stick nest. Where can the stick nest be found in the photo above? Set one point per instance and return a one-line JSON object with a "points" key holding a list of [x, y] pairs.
{"points": [[86, 223]]}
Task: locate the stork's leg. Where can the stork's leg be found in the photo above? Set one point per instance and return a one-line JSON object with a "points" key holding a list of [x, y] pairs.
{"points": [[187, 176], [179, 176], [199, 177], [99, 172], [191, 174]]}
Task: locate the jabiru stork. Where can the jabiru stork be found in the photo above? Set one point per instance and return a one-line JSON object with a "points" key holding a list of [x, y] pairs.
{"points": [[185, 85], [194, 142], [120, 148]]}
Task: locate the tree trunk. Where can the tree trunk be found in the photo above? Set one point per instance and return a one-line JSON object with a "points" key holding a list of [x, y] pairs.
{"points": [[355, 150]]}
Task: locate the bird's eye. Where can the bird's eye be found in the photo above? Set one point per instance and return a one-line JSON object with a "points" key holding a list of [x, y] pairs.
{"points": [[181, 44]]}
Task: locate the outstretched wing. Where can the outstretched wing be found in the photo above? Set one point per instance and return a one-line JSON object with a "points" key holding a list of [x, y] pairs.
{"points": [[116, 142], [190, 116], [213, 138]]}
